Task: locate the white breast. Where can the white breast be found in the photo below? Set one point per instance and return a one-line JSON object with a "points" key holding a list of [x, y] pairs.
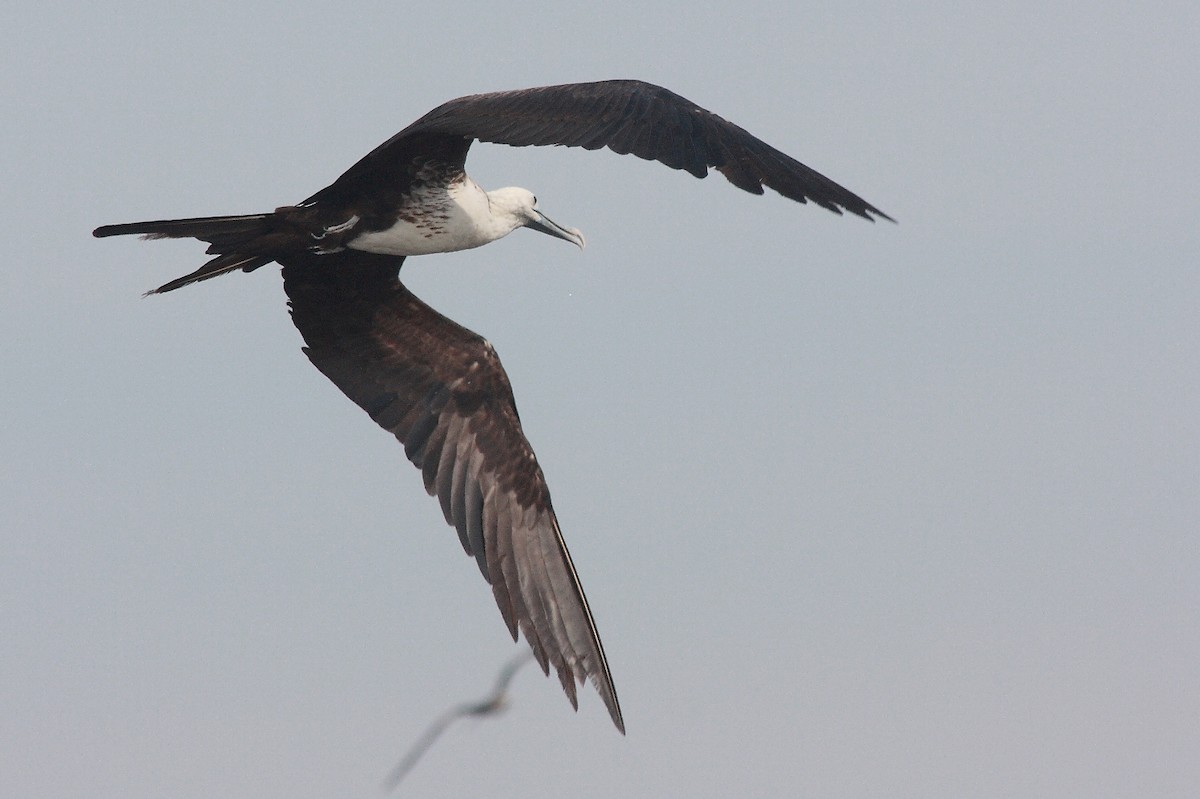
{"points": [[435, 219]]}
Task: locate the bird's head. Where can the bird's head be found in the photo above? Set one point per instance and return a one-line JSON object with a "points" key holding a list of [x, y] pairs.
{"points": [[517, 207]]}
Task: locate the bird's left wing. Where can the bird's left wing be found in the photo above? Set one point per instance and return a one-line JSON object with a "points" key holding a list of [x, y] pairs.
{"points": [[441, 390], [626, 116]]}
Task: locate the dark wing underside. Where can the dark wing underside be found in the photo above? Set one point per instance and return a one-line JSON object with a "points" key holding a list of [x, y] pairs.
{"points": [[627, 116], [443, 393]]}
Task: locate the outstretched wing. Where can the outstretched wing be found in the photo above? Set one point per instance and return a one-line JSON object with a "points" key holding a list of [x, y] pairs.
{"points": [[441, 390], [627, 116]]}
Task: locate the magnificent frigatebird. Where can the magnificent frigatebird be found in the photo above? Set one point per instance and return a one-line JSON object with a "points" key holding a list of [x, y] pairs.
{"points": [[437, 386]]}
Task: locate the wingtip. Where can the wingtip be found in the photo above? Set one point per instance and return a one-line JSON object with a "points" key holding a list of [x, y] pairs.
{"points": [[867, 212], [614, 712], [608, 695], [882, 215]]}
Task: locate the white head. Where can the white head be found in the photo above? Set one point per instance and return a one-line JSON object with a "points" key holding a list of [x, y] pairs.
{"points": [[514, 207]]}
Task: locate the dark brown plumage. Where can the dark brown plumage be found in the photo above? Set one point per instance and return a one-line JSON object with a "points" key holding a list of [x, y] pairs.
{"points": [[435, 385], [626, 116], [440, 389]]}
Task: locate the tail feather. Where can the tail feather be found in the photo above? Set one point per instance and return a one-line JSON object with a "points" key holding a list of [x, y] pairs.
{"points": [[237, 241], [205, 228], [217, 266]]}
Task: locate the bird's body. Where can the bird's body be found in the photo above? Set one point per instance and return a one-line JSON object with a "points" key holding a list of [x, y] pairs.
{"points": [[439, 218], [457, 216], [439, 387]]}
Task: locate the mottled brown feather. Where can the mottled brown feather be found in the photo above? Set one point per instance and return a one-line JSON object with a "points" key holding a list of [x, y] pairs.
{"points": [[441, 390]]}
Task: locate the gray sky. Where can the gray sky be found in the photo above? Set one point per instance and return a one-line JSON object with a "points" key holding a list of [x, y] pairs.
{"points": [[862, 510]]}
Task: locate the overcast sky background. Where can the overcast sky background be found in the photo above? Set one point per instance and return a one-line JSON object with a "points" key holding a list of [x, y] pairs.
{"points": [[861, 510]]}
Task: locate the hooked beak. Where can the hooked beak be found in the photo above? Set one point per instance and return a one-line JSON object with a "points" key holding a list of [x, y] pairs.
{"points": [[543, 224]]}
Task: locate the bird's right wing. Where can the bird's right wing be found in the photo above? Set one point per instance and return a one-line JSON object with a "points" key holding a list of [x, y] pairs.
{"points": [[441, 390]]}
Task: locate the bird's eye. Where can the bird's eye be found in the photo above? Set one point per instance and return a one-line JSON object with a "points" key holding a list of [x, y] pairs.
{"points": [[535, 199]]}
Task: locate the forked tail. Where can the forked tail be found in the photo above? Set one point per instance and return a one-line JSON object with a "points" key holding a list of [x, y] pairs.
{"points": [[239, 242]]}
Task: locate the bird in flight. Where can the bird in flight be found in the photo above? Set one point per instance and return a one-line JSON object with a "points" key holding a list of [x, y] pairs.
{"points": [[493, 703], [438, 387]]}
